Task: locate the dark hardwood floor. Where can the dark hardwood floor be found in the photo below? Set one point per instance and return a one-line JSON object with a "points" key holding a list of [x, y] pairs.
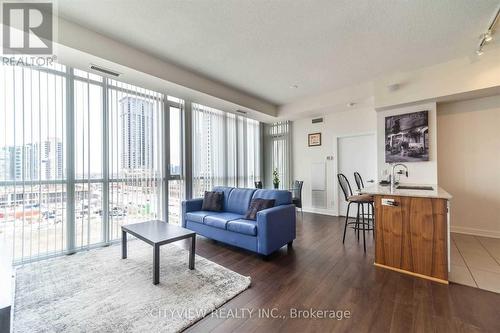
{"points": [[322, 273]]}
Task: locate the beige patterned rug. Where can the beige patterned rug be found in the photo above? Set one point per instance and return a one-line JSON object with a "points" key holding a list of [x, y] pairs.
{"points": [[97, 291]]}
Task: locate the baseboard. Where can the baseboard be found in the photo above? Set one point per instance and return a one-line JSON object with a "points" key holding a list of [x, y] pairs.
{"points": [[412, 273], [321, 211], [475, 231]]}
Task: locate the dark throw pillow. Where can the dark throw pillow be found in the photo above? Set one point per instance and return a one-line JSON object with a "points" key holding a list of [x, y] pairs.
{"points": [[256, 205], [213, 201]]}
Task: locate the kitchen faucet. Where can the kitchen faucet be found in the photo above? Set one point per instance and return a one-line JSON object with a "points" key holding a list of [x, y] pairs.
{"points": [[393, 177]]}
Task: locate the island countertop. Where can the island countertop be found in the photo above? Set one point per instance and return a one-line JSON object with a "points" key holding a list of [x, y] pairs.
{"points": [[436, 192]]}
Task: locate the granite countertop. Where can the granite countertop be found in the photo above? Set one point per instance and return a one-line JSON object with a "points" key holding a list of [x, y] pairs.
{"points": [[436, 192]]}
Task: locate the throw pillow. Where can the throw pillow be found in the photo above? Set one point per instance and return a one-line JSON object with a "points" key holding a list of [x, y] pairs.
{"points": [[256, 205], [213, 201]]}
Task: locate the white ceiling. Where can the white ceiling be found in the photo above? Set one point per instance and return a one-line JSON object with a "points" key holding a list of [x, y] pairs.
{"points": [[262, 47]]}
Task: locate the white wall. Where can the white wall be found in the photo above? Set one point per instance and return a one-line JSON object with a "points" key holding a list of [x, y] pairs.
{"points": [[469, 163], [419, 172], [442, 81], [356, 121]]}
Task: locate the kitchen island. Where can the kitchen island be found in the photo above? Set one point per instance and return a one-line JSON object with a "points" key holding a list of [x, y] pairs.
{"points": [[412, 230]]}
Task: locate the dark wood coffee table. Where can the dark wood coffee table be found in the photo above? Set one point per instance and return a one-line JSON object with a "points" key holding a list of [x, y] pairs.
{"points": [[158, 233]]}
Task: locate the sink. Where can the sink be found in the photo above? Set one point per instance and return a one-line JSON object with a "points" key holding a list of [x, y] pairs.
{"points": [[415, 187]]}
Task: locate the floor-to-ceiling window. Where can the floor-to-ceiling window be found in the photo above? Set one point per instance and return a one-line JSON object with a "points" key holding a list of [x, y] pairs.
{"points": [[176, 156], [277, 142], [136, 168], [226, 149], [33, 178], [81, 155], [87, 143]]}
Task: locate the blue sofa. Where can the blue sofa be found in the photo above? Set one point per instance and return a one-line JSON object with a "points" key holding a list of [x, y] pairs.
{"points": [[273, 228]]}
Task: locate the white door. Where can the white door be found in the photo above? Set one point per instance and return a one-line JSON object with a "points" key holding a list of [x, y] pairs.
{"points": [[356, 154]]}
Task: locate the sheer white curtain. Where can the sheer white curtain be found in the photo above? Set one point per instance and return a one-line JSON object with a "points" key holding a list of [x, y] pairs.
{"points": [[226, 149], [136, 170], [249, 152]]}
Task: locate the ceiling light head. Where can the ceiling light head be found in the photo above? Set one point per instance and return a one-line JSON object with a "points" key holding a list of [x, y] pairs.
{"points": [[351, 104], [479, 51], [488, 37], [294, 86]]}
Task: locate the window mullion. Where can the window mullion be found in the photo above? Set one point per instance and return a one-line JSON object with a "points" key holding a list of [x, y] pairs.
{"points": [[165, 162], [70, 164], [105, 164]]}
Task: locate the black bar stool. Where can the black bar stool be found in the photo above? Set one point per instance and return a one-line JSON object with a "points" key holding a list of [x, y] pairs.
{"points": [[297, 195], [360, 185], [360, 201]]}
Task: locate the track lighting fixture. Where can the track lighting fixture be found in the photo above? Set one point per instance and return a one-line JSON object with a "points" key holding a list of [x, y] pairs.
{"points": [[488, 35]]}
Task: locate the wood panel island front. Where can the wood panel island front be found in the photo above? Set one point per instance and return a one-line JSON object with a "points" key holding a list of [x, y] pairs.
{"points": [[412, 230]]}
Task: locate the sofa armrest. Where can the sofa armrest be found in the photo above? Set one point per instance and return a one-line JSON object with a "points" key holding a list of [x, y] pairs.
{"points": [[275, 228], [192, 205]]}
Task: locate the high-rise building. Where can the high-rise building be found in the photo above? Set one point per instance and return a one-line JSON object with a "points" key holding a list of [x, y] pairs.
{"points": [[6, 166], [33, 161], [136, 120], [52, 159], [18, 162]]}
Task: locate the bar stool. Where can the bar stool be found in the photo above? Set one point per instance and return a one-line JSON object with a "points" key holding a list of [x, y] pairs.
{"points": [[358, 180], [297, 195], [360, 201], [360, 185]]}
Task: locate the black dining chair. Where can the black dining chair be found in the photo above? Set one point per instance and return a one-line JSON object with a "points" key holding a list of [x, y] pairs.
{"points": [[297, 195], [258, 184], [360, 201]]}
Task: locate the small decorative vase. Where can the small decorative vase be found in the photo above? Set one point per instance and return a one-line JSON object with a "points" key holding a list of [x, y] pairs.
{"points": [[276, 185]]}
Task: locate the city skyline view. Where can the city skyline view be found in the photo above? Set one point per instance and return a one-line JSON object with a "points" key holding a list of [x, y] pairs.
{"points": [[35, 213]]}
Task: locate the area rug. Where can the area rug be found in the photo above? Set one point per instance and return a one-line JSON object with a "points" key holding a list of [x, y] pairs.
{"points": [[97, 291]]}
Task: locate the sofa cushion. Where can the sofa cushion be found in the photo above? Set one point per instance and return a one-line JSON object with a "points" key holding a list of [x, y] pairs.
{"points": [[239, 200], [213, 201], [247, 227], [281, 197], [197, 216], [226, 191], [256, 205], [219, 220]]}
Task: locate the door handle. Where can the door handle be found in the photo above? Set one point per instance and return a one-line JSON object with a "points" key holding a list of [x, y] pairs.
{"points": [[371, 181]]}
